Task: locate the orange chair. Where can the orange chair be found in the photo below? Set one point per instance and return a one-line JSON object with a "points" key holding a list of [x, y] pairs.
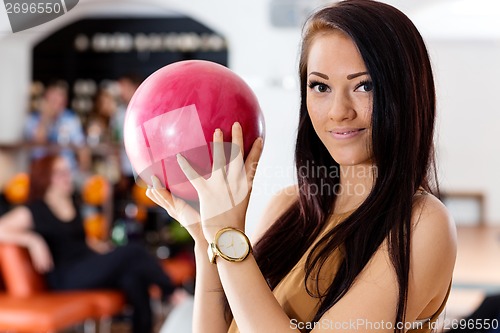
{"points": [[180, 271], [45, 313], [23, 283]]}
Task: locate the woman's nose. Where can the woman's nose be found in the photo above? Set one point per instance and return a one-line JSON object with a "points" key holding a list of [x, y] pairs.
{"points": [[341, 108]]}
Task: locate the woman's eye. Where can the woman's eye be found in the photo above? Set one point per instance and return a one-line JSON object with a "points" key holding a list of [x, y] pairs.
{"points": [[365, 86], [319, 87]]}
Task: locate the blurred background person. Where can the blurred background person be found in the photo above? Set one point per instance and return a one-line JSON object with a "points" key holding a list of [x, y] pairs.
{"points": [[55, 124], [104, 149], [50, 227], [99, 127], [127, 84]]}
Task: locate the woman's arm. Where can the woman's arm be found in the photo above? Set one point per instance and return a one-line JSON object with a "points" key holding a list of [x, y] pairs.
{"points": [[209, 312], [209, 295], [254, 307], [209, 298], [369, 306], [16, 228]]}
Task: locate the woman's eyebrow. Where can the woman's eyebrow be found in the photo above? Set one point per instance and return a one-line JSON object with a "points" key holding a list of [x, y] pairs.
{"points": [[355, 75], [324, 76]]}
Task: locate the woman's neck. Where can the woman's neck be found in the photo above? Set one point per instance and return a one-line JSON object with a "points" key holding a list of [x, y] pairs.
{"points": [[56, 198], [60, 205], [356, 183]]}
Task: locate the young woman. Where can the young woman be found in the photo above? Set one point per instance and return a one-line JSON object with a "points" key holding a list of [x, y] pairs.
{"points": [[51, 228], [360, 244]]}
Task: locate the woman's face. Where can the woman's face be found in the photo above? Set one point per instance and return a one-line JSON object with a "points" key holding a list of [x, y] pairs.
{"points": [[340, 97], [62, 179], [106, 104]]}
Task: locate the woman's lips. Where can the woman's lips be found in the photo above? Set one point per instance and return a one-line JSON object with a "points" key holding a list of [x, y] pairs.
{"points": [[346, 133]]}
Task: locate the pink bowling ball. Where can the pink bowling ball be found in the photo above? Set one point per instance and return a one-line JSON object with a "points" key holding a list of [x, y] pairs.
{"points": [[176, 110]]}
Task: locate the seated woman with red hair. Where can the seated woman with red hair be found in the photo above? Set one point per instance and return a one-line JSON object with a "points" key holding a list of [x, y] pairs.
{"points": [[51, 228]]}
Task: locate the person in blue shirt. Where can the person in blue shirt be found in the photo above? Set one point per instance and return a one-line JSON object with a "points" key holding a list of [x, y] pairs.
{"points": [[56, 125]]}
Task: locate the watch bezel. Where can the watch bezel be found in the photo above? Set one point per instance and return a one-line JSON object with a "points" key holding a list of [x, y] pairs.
{"points": [[218, 251]]}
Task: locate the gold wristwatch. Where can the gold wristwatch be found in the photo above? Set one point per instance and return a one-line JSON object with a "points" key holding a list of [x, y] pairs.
{"points": [[231, 244]]}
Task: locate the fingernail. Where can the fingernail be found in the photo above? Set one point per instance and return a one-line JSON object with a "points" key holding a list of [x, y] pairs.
{"points": [[218, 133], [157, 183], [180, 161], [237, 124], [154, 182], [261, 142]]}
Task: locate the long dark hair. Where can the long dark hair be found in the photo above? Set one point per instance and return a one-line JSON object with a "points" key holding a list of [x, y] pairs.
{"points": [[41, 170], [402, 147]]}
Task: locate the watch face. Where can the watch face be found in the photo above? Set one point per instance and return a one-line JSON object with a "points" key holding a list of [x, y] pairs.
{"points": [[233, 244]]}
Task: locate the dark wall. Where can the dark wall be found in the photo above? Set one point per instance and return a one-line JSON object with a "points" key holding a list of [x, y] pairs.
{"points": [[106, 48]]}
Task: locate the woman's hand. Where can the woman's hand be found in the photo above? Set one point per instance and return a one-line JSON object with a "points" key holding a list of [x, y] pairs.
{"points": [[99, 246], [40, 254], [225, 195], [177, 208]]}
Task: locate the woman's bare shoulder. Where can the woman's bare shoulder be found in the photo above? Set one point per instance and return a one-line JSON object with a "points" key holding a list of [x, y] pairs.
{"points": [[433, 252], [430, 215], [279, 203], [434, 230]]}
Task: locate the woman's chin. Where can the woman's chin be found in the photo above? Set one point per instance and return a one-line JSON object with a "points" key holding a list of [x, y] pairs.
{"points": [[346, 160]]}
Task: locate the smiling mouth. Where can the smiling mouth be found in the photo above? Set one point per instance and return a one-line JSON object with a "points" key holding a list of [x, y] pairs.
{"points": [[345, 134], [349, 132]]}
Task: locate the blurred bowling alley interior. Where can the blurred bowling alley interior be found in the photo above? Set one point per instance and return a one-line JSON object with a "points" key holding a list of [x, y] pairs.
{"points": [[88, 63]]}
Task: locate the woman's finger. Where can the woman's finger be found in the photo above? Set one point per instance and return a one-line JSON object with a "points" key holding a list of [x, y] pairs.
{"points": [[194, 178], [253, 159], [150, 195], [165, 194], [236, 163], [237, 137], [160, 201], [218, 151], [156, 182], [160, 198]]}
